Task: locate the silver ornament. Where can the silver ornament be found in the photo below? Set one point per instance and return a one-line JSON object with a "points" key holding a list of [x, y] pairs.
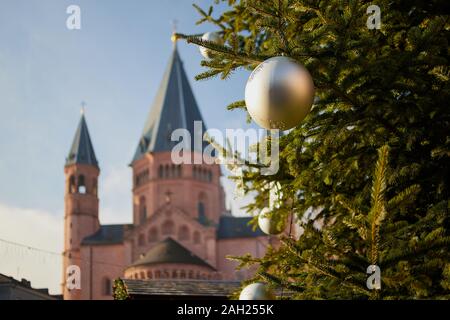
{"points": [[279, 93], [268, 225], [213, 37], [256, 291]]}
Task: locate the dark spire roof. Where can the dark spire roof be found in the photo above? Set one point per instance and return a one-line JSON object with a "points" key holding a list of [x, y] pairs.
{"points": [[82, 151], [107, 234], [170, 251], [174, 107]]}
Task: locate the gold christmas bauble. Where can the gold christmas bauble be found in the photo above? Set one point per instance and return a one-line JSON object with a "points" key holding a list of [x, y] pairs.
{"points": [[279, 93]]}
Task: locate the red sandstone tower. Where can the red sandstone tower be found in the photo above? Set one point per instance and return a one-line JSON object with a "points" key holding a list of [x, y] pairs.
{"points": [[81, 203], [159, 183]]}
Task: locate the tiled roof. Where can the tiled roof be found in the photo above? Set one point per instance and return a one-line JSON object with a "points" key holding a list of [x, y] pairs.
{"points": [[82, 151], [236, 227], [25, 284], [170, 251], [107, 234], [179, 288], [173, 108]]}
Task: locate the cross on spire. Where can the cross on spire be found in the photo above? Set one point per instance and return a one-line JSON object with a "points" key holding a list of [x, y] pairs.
{"points": [[174, 25], [174, 30], [83, 107]]}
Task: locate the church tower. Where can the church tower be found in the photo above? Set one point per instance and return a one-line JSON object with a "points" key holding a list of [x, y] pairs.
{"points": [[81, 202], [192, 188], [157, 179]]}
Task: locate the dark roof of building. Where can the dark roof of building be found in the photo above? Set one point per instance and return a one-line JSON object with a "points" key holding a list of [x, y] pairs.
{"points": [[170, 251], [82, 151], [236, 227], [107, 234], [25, 284], [174, 107], [181, 288]]}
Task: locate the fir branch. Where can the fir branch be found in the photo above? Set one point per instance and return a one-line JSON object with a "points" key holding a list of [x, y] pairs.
{"points": [[406, 196], [237, 105], [207, 74], [408, 253], [208, 17], [279, 282], [325, 270], [227, 51], [378, 211]]}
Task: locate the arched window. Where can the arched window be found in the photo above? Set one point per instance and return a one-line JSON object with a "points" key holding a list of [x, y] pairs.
{"points": [[174, 274], [209, 176], [141, 240], [201, 212], [196, 237], [72, 186], [149, 275], [194, 172], [183, 274], [153, 234], [166, 171], [157, 274], [107, 287], [201, 208], [168, 227], [142, 210], [81, 184], [179, 171], [203, 174], [160, 171], [183, 233]]}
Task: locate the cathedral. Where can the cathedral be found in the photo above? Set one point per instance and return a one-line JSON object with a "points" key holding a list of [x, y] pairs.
{"points": [[181, 229]]}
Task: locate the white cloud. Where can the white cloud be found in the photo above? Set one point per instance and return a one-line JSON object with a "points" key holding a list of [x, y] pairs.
{"points": [[37, 229]]}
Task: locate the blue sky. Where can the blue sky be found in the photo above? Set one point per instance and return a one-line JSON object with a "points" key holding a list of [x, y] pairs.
{"points": [[114, 63]]}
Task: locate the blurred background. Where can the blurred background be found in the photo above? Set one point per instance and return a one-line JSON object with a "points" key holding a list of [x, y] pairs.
{"points": [[115, 64]]}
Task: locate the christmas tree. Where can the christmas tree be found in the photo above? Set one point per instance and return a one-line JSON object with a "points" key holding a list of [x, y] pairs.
{"points": [[370, 161]]}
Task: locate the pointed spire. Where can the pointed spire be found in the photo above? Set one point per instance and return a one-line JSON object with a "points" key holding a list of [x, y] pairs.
{"points": [[174, 107], [82, 151]]}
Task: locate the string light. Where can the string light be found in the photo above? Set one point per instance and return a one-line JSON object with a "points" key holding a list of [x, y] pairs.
{"points": [[52, 253]]}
